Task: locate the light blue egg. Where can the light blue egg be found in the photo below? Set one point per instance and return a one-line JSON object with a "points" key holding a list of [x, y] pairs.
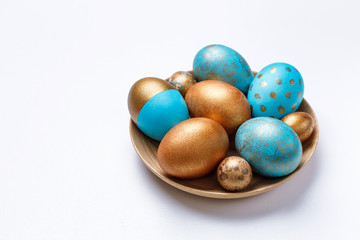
{"points": [[271, 147], [218, 62], [161, 113], [276, 91]]}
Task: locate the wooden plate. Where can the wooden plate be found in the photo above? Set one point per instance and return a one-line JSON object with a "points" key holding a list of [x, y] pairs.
{"points": [[208, 186]]}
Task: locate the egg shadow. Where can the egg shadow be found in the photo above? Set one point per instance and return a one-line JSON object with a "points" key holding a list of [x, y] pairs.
{"points": [[287, 197]]}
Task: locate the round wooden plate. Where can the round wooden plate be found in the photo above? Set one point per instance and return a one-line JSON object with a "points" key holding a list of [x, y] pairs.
{"points": [[208, 186]]}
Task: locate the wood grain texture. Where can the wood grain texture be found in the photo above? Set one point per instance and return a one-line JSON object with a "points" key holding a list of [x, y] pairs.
{"points": [[208, 186]]}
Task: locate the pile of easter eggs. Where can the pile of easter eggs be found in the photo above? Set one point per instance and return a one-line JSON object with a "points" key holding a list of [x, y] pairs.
{"points": [[198, 115]]}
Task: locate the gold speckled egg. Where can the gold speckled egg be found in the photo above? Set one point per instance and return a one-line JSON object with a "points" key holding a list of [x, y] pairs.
{"points": [[193, 148], [219, 101], [182, 81], [234, 173], [302, 123]]}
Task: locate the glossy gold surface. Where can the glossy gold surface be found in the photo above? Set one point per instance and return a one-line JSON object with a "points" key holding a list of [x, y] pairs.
{"points": [[234, 173], [142, 91], [193, 148], [302, 123], [208, 186], [219, 101], [182, 81]]}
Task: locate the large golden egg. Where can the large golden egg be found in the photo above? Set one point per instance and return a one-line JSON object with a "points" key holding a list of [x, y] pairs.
{"points": [[219, 101], [193, 148], [302, 123]]}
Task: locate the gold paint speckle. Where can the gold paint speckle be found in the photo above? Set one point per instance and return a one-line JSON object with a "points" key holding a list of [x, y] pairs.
{"points": [[273, 70], [273, 95], [300, 81], [288, 94], [251, 87], [263, 84], [288, 69], [257, 96], [259, 76], [262, 108], [294, 106], [299, 94], [278, 81], [292, 82], [281, 109]]}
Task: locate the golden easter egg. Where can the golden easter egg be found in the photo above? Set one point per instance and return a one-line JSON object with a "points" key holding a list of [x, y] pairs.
{"points": [[182, 81], [193, 148], [219, 101], [234, 173], [302, 123]]}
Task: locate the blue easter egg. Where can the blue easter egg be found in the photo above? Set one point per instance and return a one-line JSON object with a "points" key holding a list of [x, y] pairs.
{"points": [[276, 91], [155, 107], [161, 113], [271, 147], [218, 62]]}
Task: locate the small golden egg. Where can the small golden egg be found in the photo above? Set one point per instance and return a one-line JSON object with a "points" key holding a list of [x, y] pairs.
{"points": [[302, 123], [193, 148], [219, 101], [234, 173], [182, 81]]}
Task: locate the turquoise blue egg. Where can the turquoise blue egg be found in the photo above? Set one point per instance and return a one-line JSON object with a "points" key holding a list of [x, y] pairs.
{"points": [[218, 62], [161, 113], [155, 107], [276, 91], [271, 147]]}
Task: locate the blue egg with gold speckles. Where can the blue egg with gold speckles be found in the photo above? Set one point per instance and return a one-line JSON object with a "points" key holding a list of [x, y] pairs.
{"points": [[218, 62], [276, 91], [155, 107], [271, 147]]}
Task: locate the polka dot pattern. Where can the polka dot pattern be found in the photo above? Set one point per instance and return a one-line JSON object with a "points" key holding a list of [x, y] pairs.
{"points": [[276, 91], [281, 109], [273, 95]]}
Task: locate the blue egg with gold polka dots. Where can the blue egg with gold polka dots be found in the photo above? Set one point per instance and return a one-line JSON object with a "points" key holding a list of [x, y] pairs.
{"points": [[276, 91]]}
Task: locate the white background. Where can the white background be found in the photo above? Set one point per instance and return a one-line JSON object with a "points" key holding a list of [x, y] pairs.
{"points": [[67, 166]]}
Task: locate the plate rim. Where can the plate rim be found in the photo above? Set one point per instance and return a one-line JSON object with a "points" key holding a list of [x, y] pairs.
{"points": [[229, 195]]}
